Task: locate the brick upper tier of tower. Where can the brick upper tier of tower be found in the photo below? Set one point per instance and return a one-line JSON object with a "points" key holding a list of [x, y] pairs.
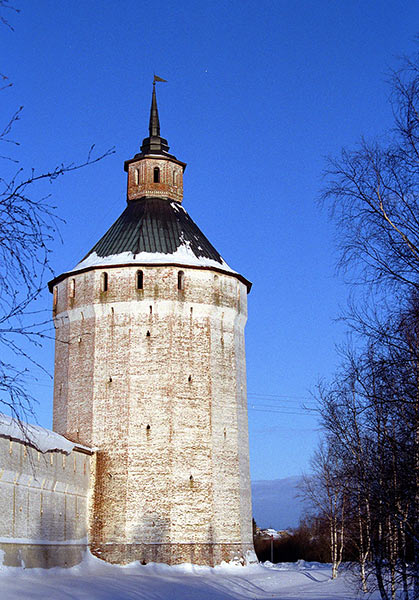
{"points": [[154, 229]]}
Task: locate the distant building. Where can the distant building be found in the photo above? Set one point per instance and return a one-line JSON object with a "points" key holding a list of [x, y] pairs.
{"points": [[150, 371]]}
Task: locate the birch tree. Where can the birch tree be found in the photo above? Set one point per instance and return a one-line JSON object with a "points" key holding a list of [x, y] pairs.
{"points": [[372, 192]]}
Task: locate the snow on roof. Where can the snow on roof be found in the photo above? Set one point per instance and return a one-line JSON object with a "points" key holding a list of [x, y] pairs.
{"points": [[154, 231], [44, 440], [182, 256]]}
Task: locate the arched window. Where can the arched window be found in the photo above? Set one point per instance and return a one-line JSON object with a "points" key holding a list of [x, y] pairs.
{"points": [[139, 280], [180, 280], [72, 288], [104, 282], [156, 175]]}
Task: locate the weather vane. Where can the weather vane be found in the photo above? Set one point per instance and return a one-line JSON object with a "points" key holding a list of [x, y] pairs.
{"points": [[157, 78]]}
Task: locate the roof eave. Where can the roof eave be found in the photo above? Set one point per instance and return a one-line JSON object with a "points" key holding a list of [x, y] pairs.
{"points": [[63, 276], [168, 157]]}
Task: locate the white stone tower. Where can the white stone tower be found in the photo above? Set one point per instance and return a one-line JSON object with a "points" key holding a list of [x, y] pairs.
{"points": [[150, 369]]}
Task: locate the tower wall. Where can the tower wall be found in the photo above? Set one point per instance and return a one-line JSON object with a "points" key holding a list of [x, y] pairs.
{"points": [[155, 379]]}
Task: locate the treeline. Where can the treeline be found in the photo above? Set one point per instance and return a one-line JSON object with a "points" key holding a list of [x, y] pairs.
{"points": [[309, 541], [366, 470]]}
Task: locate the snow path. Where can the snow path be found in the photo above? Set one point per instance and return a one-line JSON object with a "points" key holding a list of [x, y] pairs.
{"points": [[95, 580]]}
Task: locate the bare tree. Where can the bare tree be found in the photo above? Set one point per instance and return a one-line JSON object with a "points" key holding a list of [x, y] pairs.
{"points": [[373, 193], [370, 410], [370, 416], [325, 491], [28, 225]]}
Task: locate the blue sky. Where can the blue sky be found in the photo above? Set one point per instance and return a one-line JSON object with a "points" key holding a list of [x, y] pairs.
{"points": [[258, 94]]}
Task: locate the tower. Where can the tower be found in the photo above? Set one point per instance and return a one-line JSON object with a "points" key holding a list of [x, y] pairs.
{"points": [[150, 370]]}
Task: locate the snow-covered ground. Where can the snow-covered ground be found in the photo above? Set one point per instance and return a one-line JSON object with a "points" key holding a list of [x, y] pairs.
{"points": [[96, 580]]}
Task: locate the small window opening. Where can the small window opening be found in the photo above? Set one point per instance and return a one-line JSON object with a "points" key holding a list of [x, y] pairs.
{"points": [[180, 280], [136, 176], [156, 175], [174, 178], [140, 280], [148, 427], [151, 310], [190, 378], [73, 288], [104, 282], [110, 379], [55, 298], [148, 334]]}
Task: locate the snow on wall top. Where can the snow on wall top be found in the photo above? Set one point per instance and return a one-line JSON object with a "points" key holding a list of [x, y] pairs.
{"points": [[44, 440]]}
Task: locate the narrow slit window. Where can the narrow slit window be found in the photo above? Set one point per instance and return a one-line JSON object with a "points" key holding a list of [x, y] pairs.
{"points": [[104, 282], [140, 280], [174, 178], [180, 280], [55, 299], [156, 175], [73, 288], [136, 176]]}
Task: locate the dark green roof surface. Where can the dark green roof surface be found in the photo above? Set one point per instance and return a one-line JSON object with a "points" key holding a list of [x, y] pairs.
{"points": [[154, 225], [153, 231]]}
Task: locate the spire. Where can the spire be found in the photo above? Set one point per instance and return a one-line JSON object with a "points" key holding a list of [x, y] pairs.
{"points": [[154, 125], [154, 144]]}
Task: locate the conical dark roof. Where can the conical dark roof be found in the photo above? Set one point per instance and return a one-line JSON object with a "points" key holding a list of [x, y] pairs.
{"points": [[154, 226], [157, 232]]}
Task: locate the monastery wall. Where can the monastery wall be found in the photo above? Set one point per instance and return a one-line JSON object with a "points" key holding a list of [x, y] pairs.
{"points": [[43, 505], [155, 378]]}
